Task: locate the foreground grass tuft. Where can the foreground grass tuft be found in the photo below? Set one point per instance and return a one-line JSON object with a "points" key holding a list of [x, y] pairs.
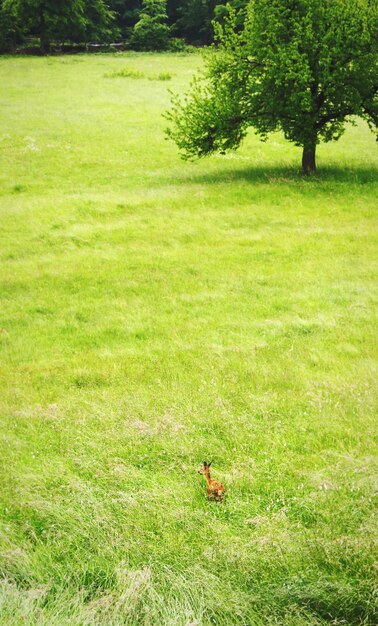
{"points": [[157, 313]]}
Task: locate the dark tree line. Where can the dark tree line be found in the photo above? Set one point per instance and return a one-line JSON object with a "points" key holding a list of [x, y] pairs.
{"points": [[145, 24]]}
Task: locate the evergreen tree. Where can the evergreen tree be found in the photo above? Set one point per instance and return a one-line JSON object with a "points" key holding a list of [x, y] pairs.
{"points": [[127, 13], [11, 30], [100, 21], [63, 20], [195, 20], [151, 32]]}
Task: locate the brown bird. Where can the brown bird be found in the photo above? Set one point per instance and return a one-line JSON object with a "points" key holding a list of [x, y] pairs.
{"points": [[215, 490]]}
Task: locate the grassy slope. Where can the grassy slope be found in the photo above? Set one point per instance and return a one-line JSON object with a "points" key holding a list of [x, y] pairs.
{"points": [[155, 313]]}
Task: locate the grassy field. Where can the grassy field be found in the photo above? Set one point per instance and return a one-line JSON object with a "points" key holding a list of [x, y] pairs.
{"points": [[156, 313]]}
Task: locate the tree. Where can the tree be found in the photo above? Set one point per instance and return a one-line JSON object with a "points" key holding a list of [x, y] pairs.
{"points": [[42, 17], [69, 20], [195, 20], [99, 21], [299, 66], [10, 28], [127, 13], [222, 12], [152, 30]]}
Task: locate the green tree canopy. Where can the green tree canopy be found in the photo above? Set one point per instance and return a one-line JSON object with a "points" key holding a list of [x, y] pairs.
{"points": [[10, 27], [195, 20], [151, 32], [299, 66], [70, 20], [127, 13]]}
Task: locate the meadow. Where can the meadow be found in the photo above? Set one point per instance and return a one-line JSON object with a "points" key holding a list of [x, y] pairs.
{"points": [[157, 313]]}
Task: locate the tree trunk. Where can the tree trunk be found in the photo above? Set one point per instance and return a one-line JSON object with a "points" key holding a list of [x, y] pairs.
{"points": [[43, 39], [308, 159]]}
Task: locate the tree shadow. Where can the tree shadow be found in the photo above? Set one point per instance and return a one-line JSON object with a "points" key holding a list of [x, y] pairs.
{"points": [[327, 174]]}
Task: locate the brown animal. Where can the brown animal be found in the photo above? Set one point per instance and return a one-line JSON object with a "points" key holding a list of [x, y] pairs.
{"points": [[215, 490]]}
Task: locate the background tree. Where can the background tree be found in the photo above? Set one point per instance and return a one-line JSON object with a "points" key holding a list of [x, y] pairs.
{"points": [[127, 14], [299, 66], [43, 17], [80, 21], [11, 30], [63, 20], [100, 22], [151, 32], [194, 20]]}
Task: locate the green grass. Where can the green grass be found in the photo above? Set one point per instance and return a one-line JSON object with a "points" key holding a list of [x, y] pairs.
{"points": [[127, 72], [155, 313]]}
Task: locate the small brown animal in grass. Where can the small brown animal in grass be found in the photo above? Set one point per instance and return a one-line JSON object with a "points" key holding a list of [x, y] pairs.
{"points": [[215, 490]]}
